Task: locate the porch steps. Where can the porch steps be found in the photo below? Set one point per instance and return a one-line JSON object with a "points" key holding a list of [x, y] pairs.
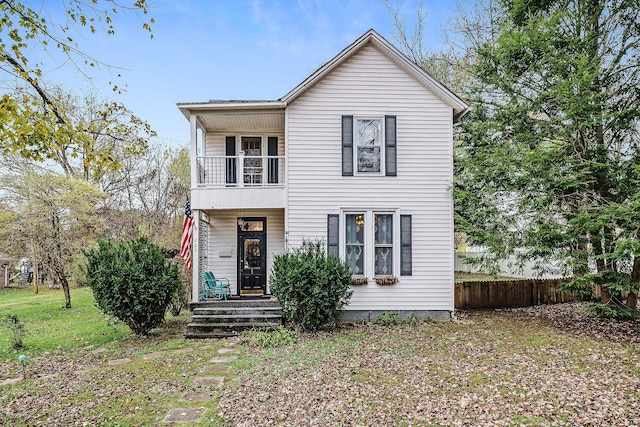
{"points": [[219, 319]]}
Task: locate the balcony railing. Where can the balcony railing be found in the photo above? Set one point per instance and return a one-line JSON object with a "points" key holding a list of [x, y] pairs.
{"points": [[241, 171]]}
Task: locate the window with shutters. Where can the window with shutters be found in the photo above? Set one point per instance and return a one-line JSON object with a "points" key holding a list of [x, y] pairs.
{"points": [[374, 243], [369, 146], [371, 246]]}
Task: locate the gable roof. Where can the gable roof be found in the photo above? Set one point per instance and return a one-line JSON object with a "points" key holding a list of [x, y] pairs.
{"points": [[371, 37]]}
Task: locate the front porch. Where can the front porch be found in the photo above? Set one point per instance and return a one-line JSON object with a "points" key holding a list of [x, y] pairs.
{"points": [[238, 246]]}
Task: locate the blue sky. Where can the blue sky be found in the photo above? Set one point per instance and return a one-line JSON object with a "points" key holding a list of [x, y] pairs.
{"points": [[230, 49]]}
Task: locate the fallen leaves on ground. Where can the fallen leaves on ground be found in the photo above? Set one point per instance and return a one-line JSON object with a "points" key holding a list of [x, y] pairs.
{"points": [[549, 365]]}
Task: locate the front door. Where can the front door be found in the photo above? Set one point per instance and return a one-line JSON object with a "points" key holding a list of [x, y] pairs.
{"points": [[252, 255], [252, 147]]}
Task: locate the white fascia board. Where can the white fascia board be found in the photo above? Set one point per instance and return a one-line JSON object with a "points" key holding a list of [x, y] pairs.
{"points": [[188, 107]]}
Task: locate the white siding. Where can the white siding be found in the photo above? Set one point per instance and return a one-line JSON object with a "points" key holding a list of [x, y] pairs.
{"points": [[369, 84], [223, 240]]}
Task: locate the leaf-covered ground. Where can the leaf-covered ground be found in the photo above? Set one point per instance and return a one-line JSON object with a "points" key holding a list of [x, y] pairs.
{"points": [[550, 365], [547, 366]]}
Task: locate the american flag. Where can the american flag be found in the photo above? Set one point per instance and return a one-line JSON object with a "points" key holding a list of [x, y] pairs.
{"points": [[187, 231]]}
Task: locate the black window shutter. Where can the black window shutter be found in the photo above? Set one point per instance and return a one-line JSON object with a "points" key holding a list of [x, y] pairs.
{"points": [[272, 151], [230, 150], [405, 245], [333, 233], [390, 146], [347, 145]]}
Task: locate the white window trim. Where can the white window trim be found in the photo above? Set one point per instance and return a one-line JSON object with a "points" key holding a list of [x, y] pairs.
{"points": [[369, 235], [382, 146]]}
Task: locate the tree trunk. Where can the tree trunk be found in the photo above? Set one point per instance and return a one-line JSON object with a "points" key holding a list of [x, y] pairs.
{"points": [[67, 292]]}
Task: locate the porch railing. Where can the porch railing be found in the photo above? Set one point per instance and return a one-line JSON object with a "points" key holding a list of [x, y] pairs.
{"points": [[241, 171]]}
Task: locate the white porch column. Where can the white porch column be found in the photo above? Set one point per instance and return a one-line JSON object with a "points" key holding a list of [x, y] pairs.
{"points": [[195, 278], [240, 170], [195, 260], [193, 122]]}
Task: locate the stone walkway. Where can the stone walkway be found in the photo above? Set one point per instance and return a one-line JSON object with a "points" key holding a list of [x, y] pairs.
{"points": [[218, 365], [212, 377]]}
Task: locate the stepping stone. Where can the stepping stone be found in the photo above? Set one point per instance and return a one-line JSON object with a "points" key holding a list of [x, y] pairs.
{"points": [[154, 355], [193, 396], [10, 381], [223, 359], [184, 415], [228, 351], [217, 368], [206, 347], [231, 341], [98, 350], [183, 350], [203, 381], [117, 362]]}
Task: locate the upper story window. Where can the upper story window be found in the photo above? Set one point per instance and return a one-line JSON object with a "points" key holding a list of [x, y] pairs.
{"points": [[369, 146]]}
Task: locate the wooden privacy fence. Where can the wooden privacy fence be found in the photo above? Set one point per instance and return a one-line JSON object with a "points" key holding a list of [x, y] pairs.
{"points": [[511, 293]]}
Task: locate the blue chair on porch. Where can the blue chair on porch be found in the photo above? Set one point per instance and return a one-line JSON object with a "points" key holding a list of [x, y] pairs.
{"points": [[215, 289]]}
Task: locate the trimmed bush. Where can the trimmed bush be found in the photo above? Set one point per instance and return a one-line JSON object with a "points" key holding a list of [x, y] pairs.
{"points": [[311, 287], [132, 281]]}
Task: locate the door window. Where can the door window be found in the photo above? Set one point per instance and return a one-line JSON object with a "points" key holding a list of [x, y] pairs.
{"points": [[252, 147], [252, 253]]}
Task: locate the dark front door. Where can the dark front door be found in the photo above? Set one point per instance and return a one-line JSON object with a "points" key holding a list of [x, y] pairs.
{"points": [[252, 256]]}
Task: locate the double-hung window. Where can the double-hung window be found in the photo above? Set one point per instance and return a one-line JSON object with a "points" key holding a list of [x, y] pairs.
{"points": [[368, 141], [369, 146], [354, 242], [383, 244]]}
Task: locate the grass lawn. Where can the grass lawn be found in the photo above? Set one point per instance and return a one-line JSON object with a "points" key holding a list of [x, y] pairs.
{"points": [[49, 327], [486, 368]]}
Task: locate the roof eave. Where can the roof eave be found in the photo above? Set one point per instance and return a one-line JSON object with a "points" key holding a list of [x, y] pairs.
{"points": [[187, 108]]}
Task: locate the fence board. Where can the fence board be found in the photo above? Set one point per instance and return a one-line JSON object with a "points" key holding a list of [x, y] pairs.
{"points": [[510, 293]]}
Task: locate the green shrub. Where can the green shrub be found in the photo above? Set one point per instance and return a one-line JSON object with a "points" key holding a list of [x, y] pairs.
{"points": [[311, 287], [16, 329], [132, 281], [270, 339]]}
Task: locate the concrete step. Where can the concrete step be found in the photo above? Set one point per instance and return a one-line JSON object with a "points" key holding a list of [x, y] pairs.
{"points": [[235, 318], [233, 311], [217, 319], [195, 334], [218, 330], [235, 303]]}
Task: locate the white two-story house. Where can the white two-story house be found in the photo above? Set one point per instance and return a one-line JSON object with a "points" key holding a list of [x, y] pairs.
{"points": [[359, 155]]}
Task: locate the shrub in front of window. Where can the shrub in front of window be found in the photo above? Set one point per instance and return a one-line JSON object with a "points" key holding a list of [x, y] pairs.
{"points": [[133, 282], [311, 287]]}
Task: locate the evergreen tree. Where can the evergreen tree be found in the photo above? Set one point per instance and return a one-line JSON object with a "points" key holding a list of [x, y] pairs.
{"points": [[548, 162]]}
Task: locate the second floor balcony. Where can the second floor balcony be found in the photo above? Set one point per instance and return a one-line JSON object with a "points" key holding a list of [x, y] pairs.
{"points": [[239, 182], [241, 171]]}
